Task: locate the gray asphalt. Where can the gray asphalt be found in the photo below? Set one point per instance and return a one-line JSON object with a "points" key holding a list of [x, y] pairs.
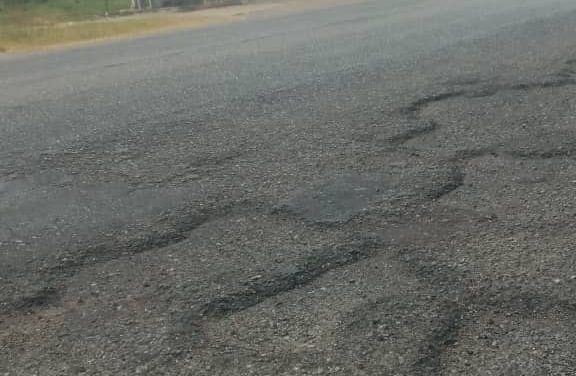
{"points": [[373, 188]]}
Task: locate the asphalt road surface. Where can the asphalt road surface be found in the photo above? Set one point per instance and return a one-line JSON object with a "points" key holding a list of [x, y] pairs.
{"points": [[356, 188]]}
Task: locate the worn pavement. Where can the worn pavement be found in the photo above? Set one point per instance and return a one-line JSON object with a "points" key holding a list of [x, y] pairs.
{"points": [[382, 187]]}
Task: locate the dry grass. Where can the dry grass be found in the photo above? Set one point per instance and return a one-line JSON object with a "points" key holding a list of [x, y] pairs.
{"points": [[27, 33]]}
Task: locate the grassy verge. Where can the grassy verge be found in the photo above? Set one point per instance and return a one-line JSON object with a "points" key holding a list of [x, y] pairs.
{"points": [[43, 23], [58, 10]]}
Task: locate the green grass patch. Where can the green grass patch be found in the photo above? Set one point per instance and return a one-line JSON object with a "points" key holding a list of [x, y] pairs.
{"points": [[39, 24], [32, 24], [26, 11]]}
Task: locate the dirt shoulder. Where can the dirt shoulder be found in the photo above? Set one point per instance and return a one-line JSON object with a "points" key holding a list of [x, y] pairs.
{"points": [[16, 38], [21, 38]]}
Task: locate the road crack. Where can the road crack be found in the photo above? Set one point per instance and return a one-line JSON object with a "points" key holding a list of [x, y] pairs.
{"points": [[177, 228], [563, 78], [303, 273], [402, 138]]}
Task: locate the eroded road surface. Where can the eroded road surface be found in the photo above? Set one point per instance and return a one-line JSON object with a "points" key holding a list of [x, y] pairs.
{"points": [[360, 188]]}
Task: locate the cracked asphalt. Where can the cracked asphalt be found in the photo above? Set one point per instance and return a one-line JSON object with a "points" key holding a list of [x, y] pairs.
{"points": [[351, 188]]}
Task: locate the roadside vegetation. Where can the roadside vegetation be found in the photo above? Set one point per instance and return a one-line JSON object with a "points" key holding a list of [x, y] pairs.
{"points": [[30, 24]]}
